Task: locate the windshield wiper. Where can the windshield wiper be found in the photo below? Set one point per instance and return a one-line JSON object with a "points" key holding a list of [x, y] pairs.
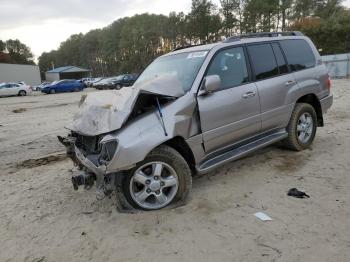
{"points": [[161, 116]]}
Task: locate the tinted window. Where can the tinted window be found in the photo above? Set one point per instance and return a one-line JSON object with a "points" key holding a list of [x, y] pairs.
{"points": [[263, 61], [299, 54], [230, 65], [281, 62]]}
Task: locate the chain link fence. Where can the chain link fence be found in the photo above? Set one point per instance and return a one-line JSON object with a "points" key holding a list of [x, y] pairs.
{"points": [[338, 65]]}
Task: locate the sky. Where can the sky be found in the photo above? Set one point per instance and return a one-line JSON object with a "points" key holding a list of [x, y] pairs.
{"points": [[44, 24]]}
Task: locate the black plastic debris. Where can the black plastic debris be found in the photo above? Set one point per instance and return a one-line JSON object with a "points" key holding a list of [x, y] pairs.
{"points": [[297, 194]]}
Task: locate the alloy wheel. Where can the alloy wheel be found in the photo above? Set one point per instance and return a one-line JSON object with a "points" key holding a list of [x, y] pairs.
{"points": [[154, 185], [305, 127]]}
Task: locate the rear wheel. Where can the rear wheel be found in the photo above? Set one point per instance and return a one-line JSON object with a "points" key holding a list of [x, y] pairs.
{"points": [[163, 178], [302, 127], [22, 93]]}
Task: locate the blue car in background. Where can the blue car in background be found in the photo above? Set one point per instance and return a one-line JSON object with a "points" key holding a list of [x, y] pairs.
{"points": [[63, 86]]}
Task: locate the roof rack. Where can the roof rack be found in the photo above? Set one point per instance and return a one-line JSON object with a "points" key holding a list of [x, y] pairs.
{"points": [[262, 34], [184, 47]]}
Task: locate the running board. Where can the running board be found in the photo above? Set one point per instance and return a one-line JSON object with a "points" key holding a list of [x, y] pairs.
{"points": [[240, 152]]}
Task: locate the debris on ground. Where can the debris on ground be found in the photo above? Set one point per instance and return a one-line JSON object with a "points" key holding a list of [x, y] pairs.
{"points": [[297, 194], [19, 110], [30, 163], [262, 216]]}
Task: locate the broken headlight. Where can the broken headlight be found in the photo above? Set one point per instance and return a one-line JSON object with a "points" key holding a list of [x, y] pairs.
{"points": [[108, 150]]}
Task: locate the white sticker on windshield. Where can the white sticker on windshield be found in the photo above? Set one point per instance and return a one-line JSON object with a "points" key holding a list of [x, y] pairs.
{"points": [[197, 54]]}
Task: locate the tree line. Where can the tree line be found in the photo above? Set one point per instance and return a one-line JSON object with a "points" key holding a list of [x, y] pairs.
{"points": [[15, 52], [130, 43]]}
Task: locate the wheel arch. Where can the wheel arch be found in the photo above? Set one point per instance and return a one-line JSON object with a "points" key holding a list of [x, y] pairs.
{"points": [[22, 91], [312, 100], [179, 144]]}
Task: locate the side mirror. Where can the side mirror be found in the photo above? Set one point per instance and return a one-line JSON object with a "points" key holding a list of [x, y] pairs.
{"points": [[211, 84]]}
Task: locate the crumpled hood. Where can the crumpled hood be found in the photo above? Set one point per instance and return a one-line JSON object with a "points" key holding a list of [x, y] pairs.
{"points": [[106, 111]]}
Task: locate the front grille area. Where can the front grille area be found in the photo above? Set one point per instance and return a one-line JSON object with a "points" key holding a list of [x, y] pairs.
{"points": [[89, 144], [108, 150]]}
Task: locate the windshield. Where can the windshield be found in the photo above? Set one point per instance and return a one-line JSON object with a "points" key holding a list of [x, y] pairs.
{"points": [[183, 67]]}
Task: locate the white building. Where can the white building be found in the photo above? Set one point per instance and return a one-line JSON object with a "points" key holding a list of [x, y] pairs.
{"points": [[30, 74]]}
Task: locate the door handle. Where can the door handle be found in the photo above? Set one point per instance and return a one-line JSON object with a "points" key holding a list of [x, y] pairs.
{"points": [[248, 95], [289, 83]]}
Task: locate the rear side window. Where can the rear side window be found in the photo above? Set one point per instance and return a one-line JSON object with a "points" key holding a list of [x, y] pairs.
{"points": [[299, 54], [281, 62], [263, 61]]}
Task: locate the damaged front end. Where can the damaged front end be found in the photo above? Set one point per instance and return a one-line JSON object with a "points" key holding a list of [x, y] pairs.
{"points": [[115, 130], [91, 157]]}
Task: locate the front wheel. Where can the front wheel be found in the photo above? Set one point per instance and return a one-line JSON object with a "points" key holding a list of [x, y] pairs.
{"points": [[302, 127], [52, 91], [163, 178]]}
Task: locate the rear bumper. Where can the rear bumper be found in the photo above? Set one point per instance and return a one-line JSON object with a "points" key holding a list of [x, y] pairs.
{"points": [[326, 103]]}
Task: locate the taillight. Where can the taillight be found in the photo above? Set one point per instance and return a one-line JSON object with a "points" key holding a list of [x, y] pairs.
{"points": [[329, 83]]}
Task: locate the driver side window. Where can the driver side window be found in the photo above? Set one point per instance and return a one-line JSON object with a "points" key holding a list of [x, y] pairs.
{"points": [[230, 65]]}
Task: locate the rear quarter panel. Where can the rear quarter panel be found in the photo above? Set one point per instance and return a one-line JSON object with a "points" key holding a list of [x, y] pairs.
{"points": [[310, 81]]}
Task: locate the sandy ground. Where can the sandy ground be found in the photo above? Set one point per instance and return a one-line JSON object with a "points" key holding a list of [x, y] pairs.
{"points": [[43, 219]]}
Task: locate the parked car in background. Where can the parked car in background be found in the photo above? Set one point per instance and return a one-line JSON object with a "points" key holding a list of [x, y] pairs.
{"points": [[86, 81], [123, 80], [21, 83], [41, 86], [63, 86], [116, 82], [94, 81], [14, 89], [105, 83]]}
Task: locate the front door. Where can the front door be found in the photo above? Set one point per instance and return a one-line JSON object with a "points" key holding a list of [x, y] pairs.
{"points": [[232, 113]]}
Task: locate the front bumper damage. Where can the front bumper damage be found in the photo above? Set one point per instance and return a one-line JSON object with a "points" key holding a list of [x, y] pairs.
{"points": [[106, 183], [89, 173]]}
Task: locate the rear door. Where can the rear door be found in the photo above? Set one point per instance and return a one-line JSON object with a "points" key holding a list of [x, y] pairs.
{"points": [[302, 62], [73, 85], [274, 81], [231, 113]]}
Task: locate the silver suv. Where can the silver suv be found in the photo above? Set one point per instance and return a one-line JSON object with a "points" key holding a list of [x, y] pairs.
{"points": [[195, 109]]}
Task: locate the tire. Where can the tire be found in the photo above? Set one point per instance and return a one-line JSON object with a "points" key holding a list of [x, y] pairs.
{"points": [[155, 189], [118, 87], [297, 126], [22, 93], [52, 91]]}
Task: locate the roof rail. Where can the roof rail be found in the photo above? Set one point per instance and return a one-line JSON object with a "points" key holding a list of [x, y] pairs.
{"points": [[262, 34], [184, 47]]}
